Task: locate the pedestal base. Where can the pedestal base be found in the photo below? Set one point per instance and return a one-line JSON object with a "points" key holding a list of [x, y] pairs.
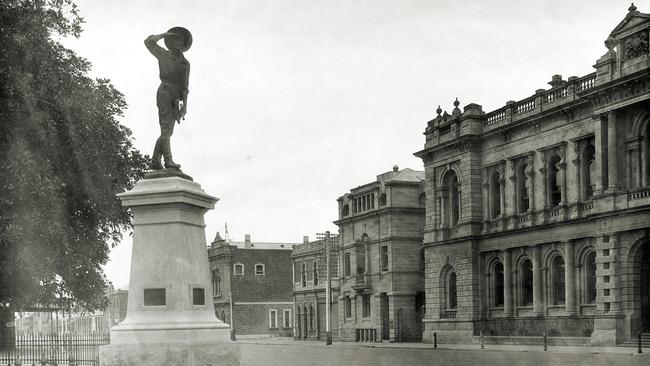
{"points": [[215, 354]]}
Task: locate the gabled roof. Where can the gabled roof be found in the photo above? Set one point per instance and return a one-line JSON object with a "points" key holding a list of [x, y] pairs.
{"points": [[633, 22]]}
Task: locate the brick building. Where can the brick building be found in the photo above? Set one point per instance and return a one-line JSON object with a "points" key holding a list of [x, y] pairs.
{"points": [[380, 273], [254, 279], [309, 281], [538, 213]]}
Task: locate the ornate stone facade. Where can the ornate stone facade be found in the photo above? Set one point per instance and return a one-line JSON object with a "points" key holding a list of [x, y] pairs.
{"points": [[538, 213], [381, 286]]}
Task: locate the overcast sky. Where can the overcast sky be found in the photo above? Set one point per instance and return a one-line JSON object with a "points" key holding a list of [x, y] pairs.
{"points": [[293, 103]]}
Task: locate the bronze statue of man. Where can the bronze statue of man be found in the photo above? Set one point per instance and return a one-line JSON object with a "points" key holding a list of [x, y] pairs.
{"points": [[171, 97]]}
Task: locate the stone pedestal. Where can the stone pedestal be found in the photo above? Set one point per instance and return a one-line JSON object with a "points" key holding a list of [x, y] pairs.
{"points": [[170, 316]]}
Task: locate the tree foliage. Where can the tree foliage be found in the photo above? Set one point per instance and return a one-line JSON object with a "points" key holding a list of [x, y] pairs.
{"points": [[63, 157]]}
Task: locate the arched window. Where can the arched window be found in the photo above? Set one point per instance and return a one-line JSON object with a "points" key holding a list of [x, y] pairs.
{"points": [[557, 279], [495, 194], [590, 277], [523, 186], [311, 317], [555, 190], [303, 275], [589, 157], [451, 291], [315, 270], [360, 251], [450, 200], [259, 269], [498, 285], [382, 200], [345, 211], [526, 283]]}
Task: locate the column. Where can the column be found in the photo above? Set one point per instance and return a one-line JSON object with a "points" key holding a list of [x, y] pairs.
{"points": [[513, 188], [600, 143], [538, 305], [486, 201], [562, 170], [530, 173], [543, 179], [502, 196], [507, 284], [643, 164], [612, 163], [444, 219], [569, 278]]}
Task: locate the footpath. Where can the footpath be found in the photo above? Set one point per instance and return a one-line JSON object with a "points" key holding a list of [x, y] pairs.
{"points": [[280, 341]]}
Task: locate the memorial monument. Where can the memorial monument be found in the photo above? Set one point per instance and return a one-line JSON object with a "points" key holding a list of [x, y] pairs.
{"points": [[170, 316]]}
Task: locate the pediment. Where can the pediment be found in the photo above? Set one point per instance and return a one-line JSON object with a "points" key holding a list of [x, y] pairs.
{"points": [[633, 22]]}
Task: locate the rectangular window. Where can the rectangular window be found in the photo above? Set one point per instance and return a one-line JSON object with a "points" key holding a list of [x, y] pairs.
{"points": [[273, 318], [365, 304], [348, 307], [346, 264], [384, 258], [287, 318], [198, 296], [238, 268], [154, 297]]}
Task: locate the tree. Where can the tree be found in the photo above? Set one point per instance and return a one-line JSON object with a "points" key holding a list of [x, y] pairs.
{"points": [[63, 157]]}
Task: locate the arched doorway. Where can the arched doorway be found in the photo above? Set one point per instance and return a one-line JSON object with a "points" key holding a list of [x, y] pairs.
{"points": [[305, 326], [644, 286]]}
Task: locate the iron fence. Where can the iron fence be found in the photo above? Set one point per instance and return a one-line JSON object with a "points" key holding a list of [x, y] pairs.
{"points": [[54, 349]]}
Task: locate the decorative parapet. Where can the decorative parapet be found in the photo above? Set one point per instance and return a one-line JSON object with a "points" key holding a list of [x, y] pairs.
{"points": [[543, 100]]}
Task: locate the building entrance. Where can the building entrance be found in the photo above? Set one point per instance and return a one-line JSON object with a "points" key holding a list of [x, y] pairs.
{"points": [[644, 283]]}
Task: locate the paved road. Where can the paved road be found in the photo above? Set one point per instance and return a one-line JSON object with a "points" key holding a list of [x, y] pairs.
{"points": [[315, 355]]}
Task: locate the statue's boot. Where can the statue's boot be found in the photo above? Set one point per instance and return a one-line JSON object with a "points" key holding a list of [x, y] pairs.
{"points": [[155, 159], [167, 154]]}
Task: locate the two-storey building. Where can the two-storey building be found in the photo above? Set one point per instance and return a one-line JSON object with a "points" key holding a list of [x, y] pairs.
{"points": [[251, 285], [309, 288], [538, 213]]}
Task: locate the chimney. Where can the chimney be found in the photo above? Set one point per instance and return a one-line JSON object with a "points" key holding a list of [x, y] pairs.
{"points": [[247, 241], [305, 239]]}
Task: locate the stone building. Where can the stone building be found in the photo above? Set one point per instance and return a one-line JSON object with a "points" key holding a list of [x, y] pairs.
{"points": [[381, 269], [309, 293], [254, 280], [538, 213], [119, 300]]}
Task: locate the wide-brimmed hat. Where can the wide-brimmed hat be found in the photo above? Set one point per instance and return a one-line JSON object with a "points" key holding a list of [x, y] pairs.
{"points": [[187, 38]]}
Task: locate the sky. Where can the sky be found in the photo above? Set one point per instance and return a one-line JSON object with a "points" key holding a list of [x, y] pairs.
{"points": [[292, 103]]}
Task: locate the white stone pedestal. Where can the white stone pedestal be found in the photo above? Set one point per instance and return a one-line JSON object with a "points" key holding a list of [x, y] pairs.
{"points": [[170, 316]]}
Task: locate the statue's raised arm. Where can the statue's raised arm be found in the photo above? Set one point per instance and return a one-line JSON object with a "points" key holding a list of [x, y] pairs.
{"points": [[171, 97]]}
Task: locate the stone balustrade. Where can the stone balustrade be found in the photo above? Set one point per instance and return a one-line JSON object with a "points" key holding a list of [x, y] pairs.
{"points": [[540, 102]]}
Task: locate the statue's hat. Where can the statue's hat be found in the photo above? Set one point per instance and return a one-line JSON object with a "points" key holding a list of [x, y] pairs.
{"points": [[185, 34]]}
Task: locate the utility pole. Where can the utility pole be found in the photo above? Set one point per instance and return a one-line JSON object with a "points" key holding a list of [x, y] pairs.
{"points": [[232, 320], [328, 291]]}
